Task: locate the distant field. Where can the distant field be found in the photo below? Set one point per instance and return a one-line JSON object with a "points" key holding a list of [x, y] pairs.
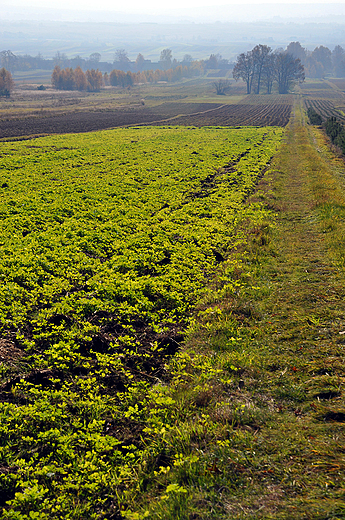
{"points": [[190, 103], [271, 99], [340, 83], [34, 76], [318, 85], [325, 97], [227, 115], [325, 108], [239, 115], [335, 95], [321, 89]]}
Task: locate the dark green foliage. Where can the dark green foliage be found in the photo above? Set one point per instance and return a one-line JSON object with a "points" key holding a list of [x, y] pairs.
{"points": [[336, 132], [314, 117]]}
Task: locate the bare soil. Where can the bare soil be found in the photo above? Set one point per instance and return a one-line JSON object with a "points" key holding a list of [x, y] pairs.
{"points": [[189, 114]]}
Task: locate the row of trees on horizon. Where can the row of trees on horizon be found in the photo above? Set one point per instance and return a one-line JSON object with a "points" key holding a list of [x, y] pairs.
{"points": [[261, 68], [69, 79], [316, 63], [320, 61], [121, 61], [92, 80]]}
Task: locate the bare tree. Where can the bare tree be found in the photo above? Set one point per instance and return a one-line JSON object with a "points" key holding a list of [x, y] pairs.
{"points": [[221, 86], [260, 64], [260, 55], [8, 60], [61, 59], [77, 61], [268, 72], [244, 69], [289, 71]]}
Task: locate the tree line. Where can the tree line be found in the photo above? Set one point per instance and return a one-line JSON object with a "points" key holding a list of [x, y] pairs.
{"points": [[316, 63], [121, 61], [260, 68], [69, 79], [320, 61], [92, 80], [119, 78]]}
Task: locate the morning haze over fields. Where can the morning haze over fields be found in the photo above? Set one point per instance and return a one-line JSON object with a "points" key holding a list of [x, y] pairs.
{"points": [[172, 274], [227, 29]]}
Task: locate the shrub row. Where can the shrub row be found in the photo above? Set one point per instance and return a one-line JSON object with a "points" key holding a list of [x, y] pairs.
{"points": [[334, 129], [314, 117], [336, 132]]}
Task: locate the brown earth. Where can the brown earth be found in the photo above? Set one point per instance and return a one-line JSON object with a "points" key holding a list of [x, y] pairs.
{"points": [[325, 108], [239, 115], [198, 114]]}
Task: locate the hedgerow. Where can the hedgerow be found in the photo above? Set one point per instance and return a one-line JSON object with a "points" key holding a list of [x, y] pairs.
{"points": [[336, 132]]}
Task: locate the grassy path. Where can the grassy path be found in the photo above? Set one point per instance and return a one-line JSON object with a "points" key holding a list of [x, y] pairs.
{"points": [[300, 338]]}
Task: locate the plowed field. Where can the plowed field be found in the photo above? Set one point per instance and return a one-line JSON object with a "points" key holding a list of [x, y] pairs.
{"points": [[196, 114], [325, 108], [239, 115], [340, 83]]}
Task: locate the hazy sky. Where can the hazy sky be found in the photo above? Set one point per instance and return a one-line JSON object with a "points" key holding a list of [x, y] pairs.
{"points": [[173, 11], [144, 6]]}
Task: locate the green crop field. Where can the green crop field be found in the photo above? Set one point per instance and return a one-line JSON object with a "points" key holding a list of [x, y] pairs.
{"points": [[108, 242]]}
